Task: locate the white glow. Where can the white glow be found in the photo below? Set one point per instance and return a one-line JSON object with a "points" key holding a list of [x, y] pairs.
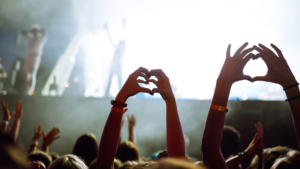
{"points": [[188, 41]]}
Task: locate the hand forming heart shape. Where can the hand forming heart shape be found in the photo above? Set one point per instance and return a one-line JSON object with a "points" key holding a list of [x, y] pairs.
{"points": [[278, 69]]}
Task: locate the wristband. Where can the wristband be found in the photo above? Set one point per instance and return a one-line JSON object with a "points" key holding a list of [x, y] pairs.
{"points": [[35, 143], [292, 98], [119, 110], [219, 108], [119, 104], [241, 155], [5, 121], [291, 86]]}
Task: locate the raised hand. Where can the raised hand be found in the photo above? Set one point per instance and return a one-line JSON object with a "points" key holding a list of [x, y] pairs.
{"points": [[131, 121], [162, 83], [131, 86], [49, 138], [256, 146], [278, 70], [38, 132], [232, 69], [6, 115], [260, 146], [19, 111]]}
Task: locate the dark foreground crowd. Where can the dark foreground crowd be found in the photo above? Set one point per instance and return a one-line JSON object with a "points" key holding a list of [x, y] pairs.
{"points": [[218, 143]]}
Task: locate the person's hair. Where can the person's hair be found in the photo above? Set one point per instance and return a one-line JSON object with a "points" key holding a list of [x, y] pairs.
{"points": [[40, 156], [127, 151], [289, 159], [54, 156], [169, 163], [12, 156], [86, 147], [230, 141], [69, 161], [163, 154]]}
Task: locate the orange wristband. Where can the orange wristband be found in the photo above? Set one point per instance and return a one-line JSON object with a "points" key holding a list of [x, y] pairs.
{"points": [[119, 110], [219, 108]]}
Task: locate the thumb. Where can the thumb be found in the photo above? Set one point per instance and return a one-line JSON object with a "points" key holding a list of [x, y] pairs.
{"points": [[247, 77], [259, 78], [145, 90]]}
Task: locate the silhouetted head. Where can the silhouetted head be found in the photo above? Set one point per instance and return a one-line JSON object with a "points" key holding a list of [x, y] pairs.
{"points": [[230, 141], [40, 156], [54, 156], [35, 28], [164, 154], [127, 151], [11, 156], [68, 162], [86, 147], [278, 158]]}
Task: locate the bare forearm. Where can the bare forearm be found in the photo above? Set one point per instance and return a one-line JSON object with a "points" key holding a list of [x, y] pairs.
{"points": [[131, 134], [294, 105], [212, 137], [175, 139], [109, 141], [15, 129], [3, 127], [45, 148]]}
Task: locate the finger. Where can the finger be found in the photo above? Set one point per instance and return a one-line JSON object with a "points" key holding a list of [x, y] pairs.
{"points": [[143, 70], [228, 51], [270, 52], [39, 128], [156, 90], [156, 73], [56, 137], [144, 76], [44, 134], [240, 49], [254, 57], [263, 55], [35, 129], [247, 77], [245, 52], [247, 58], [278, 51], [154, 81], [142, 81], [13, 113], [145, 90]]}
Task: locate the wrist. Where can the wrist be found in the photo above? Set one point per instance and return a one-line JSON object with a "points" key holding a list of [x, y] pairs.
{"points": [[121, 98]]}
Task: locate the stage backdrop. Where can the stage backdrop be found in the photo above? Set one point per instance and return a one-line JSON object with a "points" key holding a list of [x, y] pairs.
{"points": [[77, 115]]}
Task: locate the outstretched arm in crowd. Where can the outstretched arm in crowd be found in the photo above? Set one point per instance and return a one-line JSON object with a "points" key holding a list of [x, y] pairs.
{"points": [[253, 148], [175, 138], [131, 124], [110, 135], [231, 72], [279, 72], [49, 138], [17, 120], [6, 118], [35, 140]]}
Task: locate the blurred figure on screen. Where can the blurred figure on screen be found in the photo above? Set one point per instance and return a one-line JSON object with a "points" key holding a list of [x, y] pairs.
{"points": [[35, 38], [116, 63]]}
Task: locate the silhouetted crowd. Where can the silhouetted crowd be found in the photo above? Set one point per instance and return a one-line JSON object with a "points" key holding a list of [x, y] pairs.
{"points": [[219, 142]]}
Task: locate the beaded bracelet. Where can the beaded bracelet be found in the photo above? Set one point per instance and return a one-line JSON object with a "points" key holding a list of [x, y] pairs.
{"points": [[292, 98], [291, 86]]}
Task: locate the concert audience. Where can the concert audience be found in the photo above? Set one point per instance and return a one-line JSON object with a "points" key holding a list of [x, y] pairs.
{"points": [[219, 143]]}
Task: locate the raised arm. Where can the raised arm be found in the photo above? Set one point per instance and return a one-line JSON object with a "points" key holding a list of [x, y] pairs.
{"points": [[279, 72], [110, 135], [175, 138], [108, 34], [35, 139], [17, 120], [131, 124], [253, 148], [49, 138], [6, 118], [231, 72]]}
